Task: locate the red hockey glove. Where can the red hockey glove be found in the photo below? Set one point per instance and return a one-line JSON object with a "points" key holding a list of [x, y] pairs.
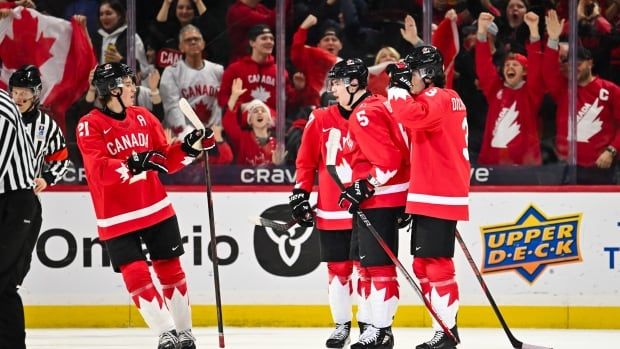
{"points": [[206, 138], [352, 196], [302, 211], [148, 160]]}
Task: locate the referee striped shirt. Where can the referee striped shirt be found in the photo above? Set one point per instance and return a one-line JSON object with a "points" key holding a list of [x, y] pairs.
{"points": [[50, 149], [16, 150]]}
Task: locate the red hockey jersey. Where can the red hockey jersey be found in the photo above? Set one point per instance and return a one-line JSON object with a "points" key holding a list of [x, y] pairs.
{"points": [[125, 203], [376, 148], [437, 121], [311, 159], [598, 113], [511, 134]]}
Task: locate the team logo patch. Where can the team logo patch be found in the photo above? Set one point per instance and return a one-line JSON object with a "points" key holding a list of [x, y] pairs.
{"points": [[40, 134], [531, 243]]}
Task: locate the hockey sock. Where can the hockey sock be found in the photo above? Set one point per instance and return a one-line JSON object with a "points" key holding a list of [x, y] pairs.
{"points": [[174, 289], [145, 296], [363, 291], [444, 290], [340, 290], [383, 295], [419, 269]]}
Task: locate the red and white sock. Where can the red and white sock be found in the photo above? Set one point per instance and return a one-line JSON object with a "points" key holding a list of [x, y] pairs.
{"points": [[443, 289], [145, 296], [174, 289], [384, 295], [340, 290], [363, 292]]}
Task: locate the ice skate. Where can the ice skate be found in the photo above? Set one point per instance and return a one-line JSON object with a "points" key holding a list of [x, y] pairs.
{"points": [[440, 341], [375, 338], [169, 340], [187, 339], [362, 326], [340, 337]]}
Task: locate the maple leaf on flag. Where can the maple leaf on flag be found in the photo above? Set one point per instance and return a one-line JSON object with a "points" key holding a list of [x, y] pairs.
{"points": [[25, 47], [203, 111]]}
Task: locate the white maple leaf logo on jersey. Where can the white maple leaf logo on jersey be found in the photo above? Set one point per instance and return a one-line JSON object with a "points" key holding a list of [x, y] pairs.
{"points": [[260, 93], [382, 177], [588, 123], [506, 127], [395, 93], [345, 173], [123, 171]]}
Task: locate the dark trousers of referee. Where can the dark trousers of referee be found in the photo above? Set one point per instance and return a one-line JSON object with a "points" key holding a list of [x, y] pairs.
{"points": [[20, 214]]}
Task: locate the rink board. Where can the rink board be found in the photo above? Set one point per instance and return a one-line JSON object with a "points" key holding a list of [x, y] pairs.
{"points": [[550, 260]]}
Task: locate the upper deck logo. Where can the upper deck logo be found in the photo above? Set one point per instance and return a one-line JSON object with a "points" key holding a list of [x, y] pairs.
{"points": [[531, 243]]}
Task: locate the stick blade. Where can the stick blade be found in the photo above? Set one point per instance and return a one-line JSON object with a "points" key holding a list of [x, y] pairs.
{"points": [[190, 114], [530, 346]]}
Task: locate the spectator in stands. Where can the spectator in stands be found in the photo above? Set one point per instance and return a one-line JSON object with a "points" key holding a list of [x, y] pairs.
{"points": [[258, 73], [612, 13], [194, 79], [513, 31], [110, 42], [164, 31], [88, 8], [149, 96], [315, 62], [594, 34], [597, 106], [241, 17], [378, 79], [511, 135], [254, 146]]}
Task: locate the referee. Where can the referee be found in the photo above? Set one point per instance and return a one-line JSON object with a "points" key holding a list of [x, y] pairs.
{"points": [[50, 149], [18, 205]]}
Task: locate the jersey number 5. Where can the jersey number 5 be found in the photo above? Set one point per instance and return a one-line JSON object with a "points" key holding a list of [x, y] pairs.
{"points": [[362, 118], [83, 129]]}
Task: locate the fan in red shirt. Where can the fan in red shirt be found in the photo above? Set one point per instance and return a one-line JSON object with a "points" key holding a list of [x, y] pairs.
{"points": [[439, 187], [511, 135], [597, 107], [124, 148], [376, 149]]}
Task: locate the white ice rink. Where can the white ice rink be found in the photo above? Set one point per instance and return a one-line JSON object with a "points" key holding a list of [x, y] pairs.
{"points": [[273, 338]]}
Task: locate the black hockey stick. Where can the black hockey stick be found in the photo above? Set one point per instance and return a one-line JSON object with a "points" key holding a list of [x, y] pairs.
{"points": [[332, 148], [189, 113], [275, 225], [216, 273], [517, 344]]}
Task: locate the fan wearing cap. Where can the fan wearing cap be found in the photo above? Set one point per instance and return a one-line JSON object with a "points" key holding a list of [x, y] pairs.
{"points": [[252, 145], [315, 62], [597, 109], [258, 74], [511, 135], [242, 15]]}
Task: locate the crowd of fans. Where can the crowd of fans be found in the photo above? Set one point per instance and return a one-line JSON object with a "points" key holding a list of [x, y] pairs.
{"points": [[506, 58]]}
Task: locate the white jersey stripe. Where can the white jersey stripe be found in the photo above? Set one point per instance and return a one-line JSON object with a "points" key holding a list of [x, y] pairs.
{"points": [[391, 189], [438, 200], [333, 214], [129, 216]]}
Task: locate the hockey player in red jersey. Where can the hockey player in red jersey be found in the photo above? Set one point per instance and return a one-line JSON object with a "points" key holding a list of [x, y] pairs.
{"points": [[333, 223], [124, 148], [376, 149], [439, 185]]}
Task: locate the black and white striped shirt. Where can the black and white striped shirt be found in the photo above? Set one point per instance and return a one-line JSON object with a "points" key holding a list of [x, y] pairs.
{"points": [[50, 149], [16, 150]]}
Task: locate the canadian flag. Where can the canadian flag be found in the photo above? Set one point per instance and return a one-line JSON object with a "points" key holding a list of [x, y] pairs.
{"points": [[446, 39], [60, 49]]}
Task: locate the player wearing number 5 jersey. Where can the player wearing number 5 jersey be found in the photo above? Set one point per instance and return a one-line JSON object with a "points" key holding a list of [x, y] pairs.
{"points": [[439, 185], [124, 148], [376, 149]]}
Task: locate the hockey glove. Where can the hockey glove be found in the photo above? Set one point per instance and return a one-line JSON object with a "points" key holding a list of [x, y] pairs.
{"points": [[206, 138], [352, 196], [400, 75], [403, 220], [302, 211], [148, 160]]}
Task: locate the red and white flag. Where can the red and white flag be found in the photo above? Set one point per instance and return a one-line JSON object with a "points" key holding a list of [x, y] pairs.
{"points": [[446, 39], [60, 49]]}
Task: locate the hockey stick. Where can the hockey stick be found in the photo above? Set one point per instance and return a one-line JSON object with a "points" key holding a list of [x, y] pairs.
{"points": [[189, 113], [333, 143], [270, 223], [517, 344]]}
